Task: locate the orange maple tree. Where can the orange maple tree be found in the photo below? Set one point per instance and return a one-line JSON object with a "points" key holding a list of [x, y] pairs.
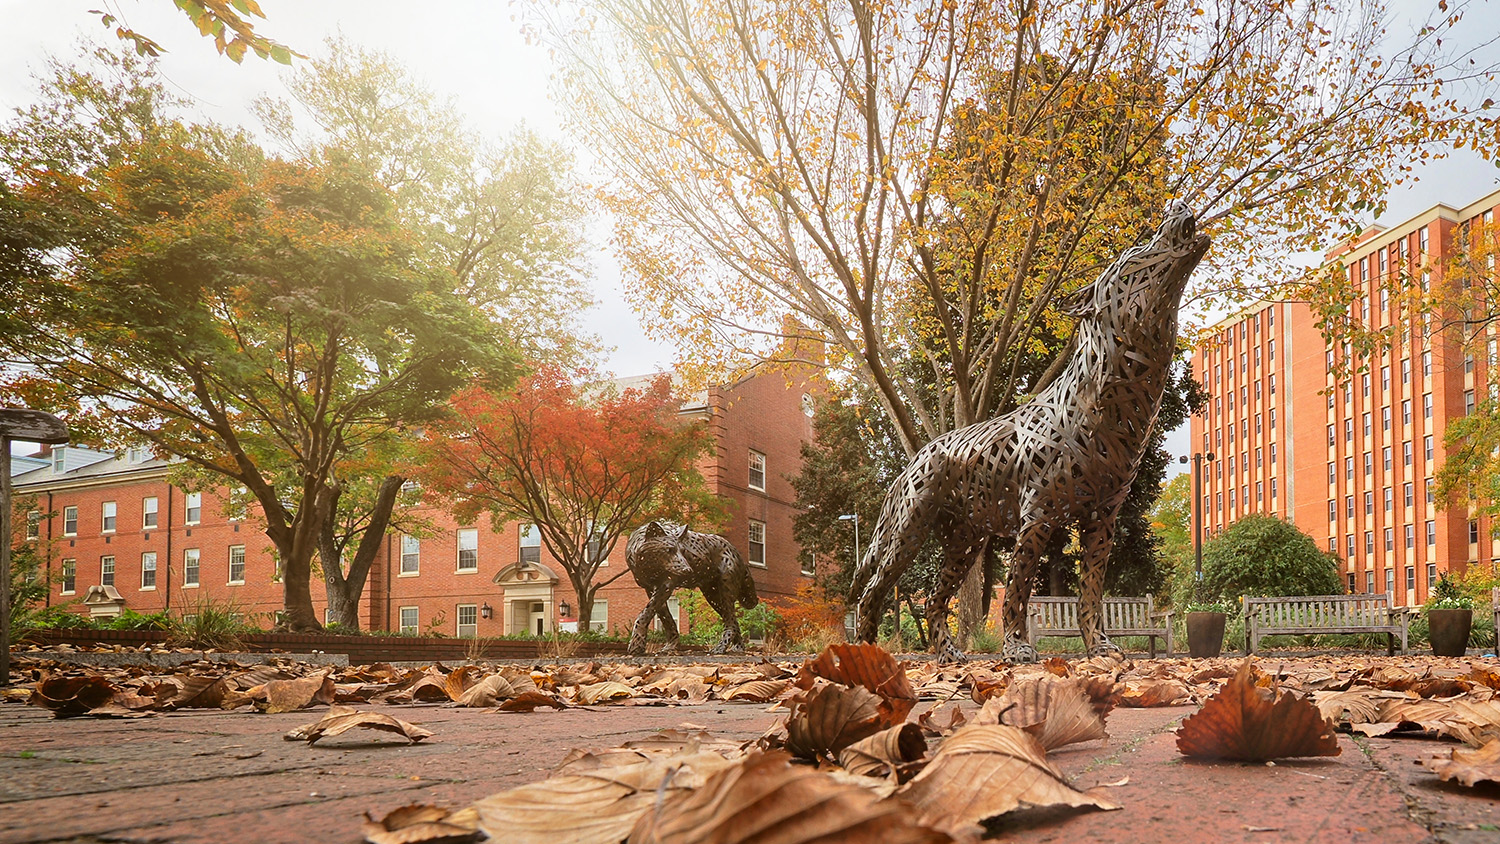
{"points": [[585, 465]]}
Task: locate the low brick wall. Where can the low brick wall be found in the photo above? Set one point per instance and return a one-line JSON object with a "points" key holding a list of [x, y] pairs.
{"points": [[360, 649]]}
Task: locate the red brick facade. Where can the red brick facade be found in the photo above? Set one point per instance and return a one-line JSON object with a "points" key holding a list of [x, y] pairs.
{"points": [[1350, 462], [763, 415]]}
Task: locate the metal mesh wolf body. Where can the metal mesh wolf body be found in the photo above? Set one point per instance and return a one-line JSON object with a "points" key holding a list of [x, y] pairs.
{"points": [[664, 556], [1066, 457]]}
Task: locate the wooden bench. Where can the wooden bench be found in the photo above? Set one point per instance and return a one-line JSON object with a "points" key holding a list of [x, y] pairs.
{"points": [[1048, 616], [1306, 615]]}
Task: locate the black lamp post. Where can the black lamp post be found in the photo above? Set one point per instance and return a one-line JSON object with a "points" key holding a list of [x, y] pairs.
{"points": [[1198, 460]]}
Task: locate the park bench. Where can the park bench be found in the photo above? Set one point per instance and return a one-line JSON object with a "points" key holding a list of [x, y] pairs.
{"points": [[1049, 616], [1307, 615]]}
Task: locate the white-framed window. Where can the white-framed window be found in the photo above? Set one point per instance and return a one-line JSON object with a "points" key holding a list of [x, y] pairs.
{"points": [[107, 571], [193, 507], [148, 570], [757, 471], [70, 520], [1431, 532], [411, 554], [69, 576], [138, 454], [468, 621], [531, 544], [34, 524], [107, 512], [190, 559], [757, 543], [468, 550], [1370, 582], [595, 549], [148, 512], [236, 504], [60, 458], [1432, 575], [1390, 582], [810, 566], [408, 619], [599, 620], [236, 564]]}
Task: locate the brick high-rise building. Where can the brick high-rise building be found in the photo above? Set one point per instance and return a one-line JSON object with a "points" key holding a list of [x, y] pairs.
{"points": [[102, 519], [1350, 460]]}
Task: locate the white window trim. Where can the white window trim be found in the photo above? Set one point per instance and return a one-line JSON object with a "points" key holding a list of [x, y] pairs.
{"points": [[401, 626], [458, 626], [156, 560], [102, 516], [199, 582], [74, 531], [33, 525], [229, 561], [749, 561], [62, 582], [401, 557], [751, 465], [187, 506], [458, 552], [154, 511]]}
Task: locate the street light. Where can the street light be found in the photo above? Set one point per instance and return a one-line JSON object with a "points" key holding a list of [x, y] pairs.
{"points": [[1198, 460]]}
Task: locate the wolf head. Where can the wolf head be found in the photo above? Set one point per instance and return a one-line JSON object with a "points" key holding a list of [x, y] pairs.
{"points": [[1144, 286]]}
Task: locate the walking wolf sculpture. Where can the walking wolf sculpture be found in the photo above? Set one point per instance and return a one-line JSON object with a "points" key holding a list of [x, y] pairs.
{"points": [[1066, 457], [664, 556]]}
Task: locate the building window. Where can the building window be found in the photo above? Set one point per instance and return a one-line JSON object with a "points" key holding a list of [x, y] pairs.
{"points": [[107, 571], [758, 543], [107, 513], [757, 471], [190, 567], [1411, 580], [1432, 575], [1426, 357], [236, 504], [1351, 582], [193, 507], [1273, 457], [1406, 411], [411, 554], [1349, 468], [468, 621], [1427, 406], [1431, 532], [1369, 502], [531, 544], [1427, 485], [1349, 547], [1473, 532], [1369, 542], [70, 521], [1260, 490], [148, 570], [1427, 446], [69, 576], [1385, 377], [1406, 493], [1390, 581], [468, 550], [1333, 473], [1369, 583], [148, 512], [408, 619], [1273, 489], [1348, 430], [1385, 418], [1468, 402], [1369, 463], [599, 619], [1390, 539], [1348, 506], [1333, 510], [236, 564], [1367, 423], [1365, 385], [1406, 453], [1385, 457], [34, 524], [1390, 499], [1411, 536]]}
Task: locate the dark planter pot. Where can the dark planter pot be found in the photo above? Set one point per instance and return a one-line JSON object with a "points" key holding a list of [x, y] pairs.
{"points": [[1449, 631], [1205, 632]]}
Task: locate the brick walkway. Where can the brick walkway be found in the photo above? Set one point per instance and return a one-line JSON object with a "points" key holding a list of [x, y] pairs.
{"points": [[208, 776]]}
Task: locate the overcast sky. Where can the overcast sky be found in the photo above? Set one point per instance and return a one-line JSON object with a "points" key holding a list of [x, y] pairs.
{"points": [[473, 51]]}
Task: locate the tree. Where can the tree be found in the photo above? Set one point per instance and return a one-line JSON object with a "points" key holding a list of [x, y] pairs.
{"points": [[227, 23], [586, 466], [921, 180], [1172, 524], [243, 319], [1265, 556]]}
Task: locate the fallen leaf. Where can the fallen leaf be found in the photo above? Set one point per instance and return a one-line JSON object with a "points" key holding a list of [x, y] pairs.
{"points": [[487, 692], [599, 805], [928, 721], [1357, 706], [419, 824], [985, 771], [831, 718], [1467, 765], [767, 799], [1056, 666], [869, 666], [341, 719], [884, 752], [1252, 724], [529, 701], [291, 695], [595, 692], [759, 691], [1056, 711], [1148, 693], [459, 680], [70, 696]]}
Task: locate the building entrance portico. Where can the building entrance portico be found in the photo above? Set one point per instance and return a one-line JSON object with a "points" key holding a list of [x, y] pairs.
{"points": [[528, 597]]}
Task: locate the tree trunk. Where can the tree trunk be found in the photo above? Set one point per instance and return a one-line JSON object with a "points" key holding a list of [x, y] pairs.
{"points": [[970, 617], [345, 590], [585, 593], [916, 617]]}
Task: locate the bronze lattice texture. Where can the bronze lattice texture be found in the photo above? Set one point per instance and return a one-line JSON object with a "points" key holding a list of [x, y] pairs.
{"points": [[665, 557], [1067, 457]]}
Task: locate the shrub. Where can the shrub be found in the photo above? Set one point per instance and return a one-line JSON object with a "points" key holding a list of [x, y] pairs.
{"points": [[1265, 556], [807, 615], [704, 626], [212, 624], [132, 620]]}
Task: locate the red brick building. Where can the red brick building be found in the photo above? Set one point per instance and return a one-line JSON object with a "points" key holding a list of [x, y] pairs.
{"points": [[1350, 462], [118, 521]]}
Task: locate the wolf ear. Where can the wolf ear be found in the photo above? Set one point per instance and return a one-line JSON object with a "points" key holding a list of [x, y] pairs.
{"points": [[654, 530], [1079, 303], [682, 532]]}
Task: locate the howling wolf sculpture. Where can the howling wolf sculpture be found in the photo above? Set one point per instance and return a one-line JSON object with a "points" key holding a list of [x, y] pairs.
{"points": [[1066, 457], [663, 556]]}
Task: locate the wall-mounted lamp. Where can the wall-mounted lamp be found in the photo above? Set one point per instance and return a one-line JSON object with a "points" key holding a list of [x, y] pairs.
{"points": [[565, 609], [486, 611]]}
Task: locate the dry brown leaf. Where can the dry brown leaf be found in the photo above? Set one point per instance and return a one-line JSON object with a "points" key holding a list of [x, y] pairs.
{"points": [[869, 666], [488, 692], [1057, 666], [1252, 724], [929, 721], [830, 718], [430, 689], [1056, 711], [291, 695], [459, 680], [341, 719], [595, 692], [759, 691], [1468, 765], [198, 692], [985, 771], [1147, 693], [529, 701], [593, 807], [768, 800], [1357, 706], [884, 752], [419, 824], [70, 696]]}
